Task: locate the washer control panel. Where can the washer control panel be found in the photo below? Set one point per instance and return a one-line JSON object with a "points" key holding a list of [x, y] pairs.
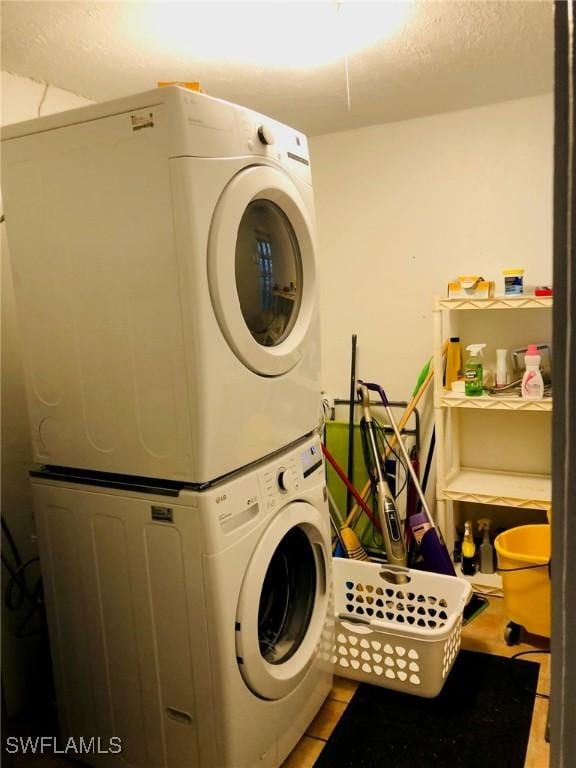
{"points": [[266, 134], [279, 481], [229, 508], [287, 479], [289, 476]]}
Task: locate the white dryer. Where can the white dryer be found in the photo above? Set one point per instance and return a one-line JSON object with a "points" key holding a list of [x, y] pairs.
{"points": [[196, 627], [163, 255]]}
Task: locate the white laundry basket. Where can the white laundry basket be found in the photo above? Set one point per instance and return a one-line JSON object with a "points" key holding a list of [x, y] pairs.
{"points": [[396, 627]]}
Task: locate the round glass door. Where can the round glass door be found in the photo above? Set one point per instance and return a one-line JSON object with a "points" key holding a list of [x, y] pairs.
{"points": [[261, 269], [283, 603], [268, 272], [287, 598]]}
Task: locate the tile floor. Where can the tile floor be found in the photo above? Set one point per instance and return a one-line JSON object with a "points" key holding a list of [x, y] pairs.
{"points": [[484, 634]]}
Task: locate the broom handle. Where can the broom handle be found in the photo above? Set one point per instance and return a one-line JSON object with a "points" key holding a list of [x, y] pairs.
{"points": [[410, 408], [351, 423], [342, 475], [413, 403]]}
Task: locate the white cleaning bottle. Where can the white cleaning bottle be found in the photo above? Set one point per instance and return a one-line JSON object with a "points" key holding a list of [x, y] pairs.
{"points": [[532, 382], [502, 377]]}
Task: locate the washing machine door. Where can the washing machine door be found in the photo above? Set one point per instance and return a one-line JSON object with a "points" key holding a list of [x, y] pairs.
{"points": [[283, 603], [261, 269]]}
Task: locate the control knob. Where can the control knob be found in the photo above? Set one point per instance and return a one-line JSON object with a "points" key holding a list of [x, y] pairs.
{"points": [[285, 480], [266, 134]]}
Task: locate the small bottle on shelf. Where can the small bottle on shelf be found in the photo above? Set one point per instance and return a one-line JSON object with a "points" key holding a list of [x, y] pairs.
{"points": [[502, 375], [486, 548], [453, 362], [468, 551], [532, 382]]}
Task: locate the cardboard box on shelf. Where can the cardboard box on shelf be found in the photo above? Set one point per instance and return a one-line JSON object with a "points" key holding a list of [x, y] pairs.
{"points": [[470, 286]]}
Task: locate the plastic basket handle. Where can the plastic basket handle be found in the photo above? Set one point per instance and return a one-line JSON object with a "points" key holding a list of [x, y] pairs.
{"points": [[395, 574], [355, 624]]}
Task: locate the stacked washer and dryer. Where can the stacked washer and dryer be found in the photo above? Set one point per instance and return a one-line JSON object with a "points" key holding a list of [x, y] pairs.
{"points": [[163, 256]]}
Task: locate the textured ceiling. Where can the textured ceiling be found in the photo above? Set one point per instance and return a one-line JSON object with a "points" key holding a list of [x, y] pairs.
{"points": [[448, 55]]}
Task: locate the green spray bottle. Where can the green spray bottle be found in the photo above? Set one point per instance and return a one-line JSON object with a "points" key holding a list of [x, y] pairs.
{"points": [[473, 371]]}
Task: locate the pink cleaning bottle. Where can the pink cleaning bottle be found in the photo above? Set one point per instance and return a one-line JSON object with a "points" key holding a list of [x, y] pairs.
{"points": [[532, 382]]}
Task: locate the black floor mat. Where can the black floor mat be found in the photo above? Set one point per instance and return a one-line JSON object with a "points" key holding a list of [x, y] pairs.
{"points": [[480, 719]]}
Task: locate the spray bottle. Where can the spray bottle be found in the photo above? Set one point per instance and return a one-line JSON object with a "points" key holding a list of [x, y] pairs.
{"points": [[532, 382], [473, 371]]}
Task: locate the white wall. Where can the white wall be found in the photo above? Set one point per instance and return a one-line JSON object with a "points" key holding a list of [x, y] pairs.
{"points": [[405, 207], [22, 99]]}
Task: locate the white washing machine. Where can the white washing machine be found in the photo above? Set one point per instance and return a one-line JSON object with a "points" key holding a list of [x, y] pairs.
{"points": [[194, 626], [163, 255]]}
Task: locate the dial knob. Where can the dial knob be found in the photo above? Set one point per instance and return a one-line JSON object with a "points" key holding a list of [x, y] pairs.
{"points": [[266, 134], [285, 480]]}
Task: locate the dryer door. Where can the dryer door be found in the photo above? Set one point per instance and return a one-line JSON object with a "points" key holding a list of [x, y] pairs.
{"points": [[283, 603], [261, 269]]}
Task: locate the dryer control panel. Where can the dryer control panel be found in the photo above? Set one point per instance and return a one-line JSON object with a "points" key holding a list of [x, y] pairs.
{"points": [[269, 138]]}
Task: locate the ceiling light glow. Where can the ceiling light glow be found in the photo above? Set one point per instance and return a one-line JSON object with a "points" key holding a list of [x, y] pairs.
{"points": [[274, 34]]}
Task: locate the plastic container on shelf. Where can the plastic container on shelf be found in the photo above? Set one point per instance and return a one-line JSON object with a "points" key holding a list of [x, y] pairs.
{"points": [[532, 381], [513, 281], [396, 627], [454, 366], [502, 371], [523, 562]]}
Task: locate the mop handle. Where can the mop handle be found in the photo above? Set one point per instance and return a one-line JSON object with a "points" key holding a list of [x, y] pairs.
{"points": [[387, 512], [377, 388], [364, 396]]}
